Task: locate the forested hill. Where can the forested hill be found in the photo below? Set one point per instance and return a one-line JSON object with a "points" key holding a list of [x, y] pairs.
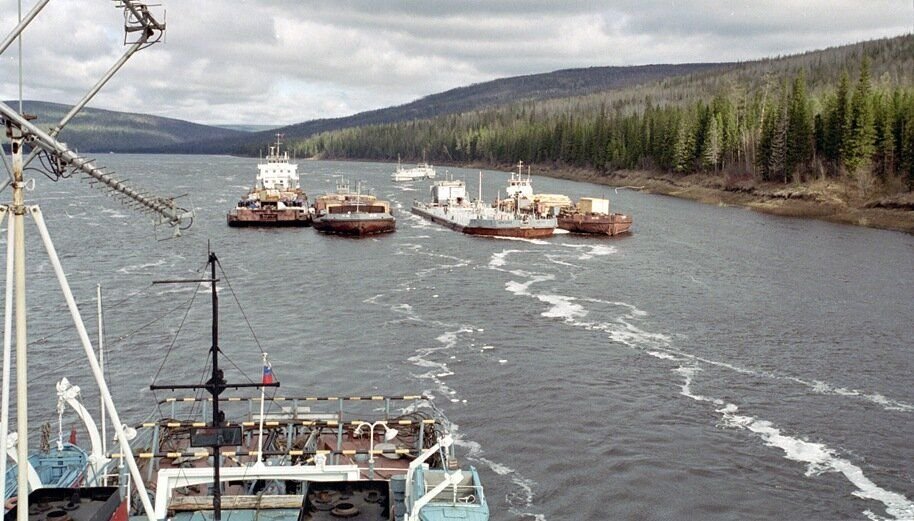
{"points": [[534, 87], [97, 130], [842, 113]]}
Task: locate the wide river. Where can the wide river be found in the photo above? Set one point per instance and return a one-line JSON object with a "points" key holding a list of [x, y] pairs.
{"points": [[717, 364]]}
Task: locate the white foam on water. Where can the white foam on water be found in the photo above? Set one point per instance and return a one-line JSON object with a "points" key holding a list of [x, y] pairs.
{"points": [[138, 267], [819, 458], [523, 288], [499, 259], [634, 311], [502, 361], [523, 239], [821, 387], [519, 500], [562, 307], [560, 231], [623, 331], [592, 250], [663, 356], [555, 259]]}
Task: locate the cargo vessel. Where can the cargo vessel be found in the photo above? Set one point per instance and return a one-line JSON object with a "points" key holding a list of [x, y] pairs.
{"points": [[345, 212], [591, 215], [450, 207], [276, 198]]}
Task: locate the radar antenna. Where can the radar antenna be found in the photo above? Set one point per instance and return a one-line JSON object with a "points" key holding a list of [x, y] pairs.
{"points": [[142, 29]]}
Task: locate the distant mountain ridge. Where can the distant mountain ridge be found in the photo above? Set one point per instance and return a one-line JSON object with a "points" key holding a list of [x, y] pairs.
{"points": [[246, 128], [99, 130], [557, 84]]}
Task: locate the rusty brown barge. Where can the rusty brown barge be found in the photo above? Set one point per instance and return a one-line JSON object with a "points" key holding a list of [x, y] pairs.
{"points": [[353, 214], [592, 216]]}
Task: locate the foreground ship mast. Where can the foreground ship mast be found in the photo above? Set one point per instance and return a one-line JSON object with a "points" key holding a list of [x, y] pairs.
{"points": [[216, 435], [143, 29]]}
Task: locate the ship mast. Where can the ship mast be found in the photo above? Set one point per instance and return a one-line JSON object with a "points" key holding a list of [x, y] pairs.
{"points": [[143, 29], [216, 435]]}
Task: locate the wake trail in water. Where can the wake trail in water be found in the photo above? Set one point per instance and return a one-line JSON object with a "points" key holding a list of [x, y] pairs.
{"points": [[520, 499], [818, 456], [622, 330]]}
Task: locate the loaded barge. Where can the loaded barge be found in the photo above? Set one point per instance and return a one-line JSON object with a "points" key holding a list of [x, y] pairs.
{"points": [[355, 214], [449, 207]]}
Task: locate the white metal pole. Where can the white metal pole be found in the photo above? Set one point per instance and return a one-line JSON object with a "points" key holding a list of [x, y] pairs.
{"points": [[101, 363], [7, 347], [93, 363], [26, 20], [22, 375], [263, 391]]}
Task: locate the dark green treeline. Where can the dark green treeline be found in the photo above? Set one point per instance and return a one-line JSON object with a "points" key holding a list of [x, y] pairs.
{"points": [[776, 132]]}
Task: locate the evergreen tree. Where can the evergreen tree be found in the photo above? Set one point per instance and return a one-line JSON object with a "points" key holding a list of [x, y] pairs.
{"points": [[684, 147], [837, 123], [777, 154], [884, 139], [861, 135], [712, 145], [799, 127]]}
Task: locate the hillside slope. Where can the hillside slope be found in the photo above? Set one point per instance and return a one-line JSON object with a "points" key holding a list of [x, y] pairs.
{"points": [[98, 130], [534, 87]]}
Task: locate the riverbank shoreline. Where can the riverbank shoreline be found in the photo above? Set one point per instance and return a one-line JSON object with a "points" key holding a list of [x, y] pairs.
{"points": [[823, 200]]}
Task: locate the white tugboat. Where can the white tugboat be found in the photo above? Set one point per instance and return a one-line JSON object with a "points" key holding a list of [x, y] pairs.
{"points": [[276, 198], [421, 171]]}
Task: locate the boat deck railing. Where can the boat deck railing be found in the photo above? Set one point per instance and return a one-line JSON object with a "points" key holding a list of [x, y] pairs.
{"points": [[457, 495], [340, 416]]}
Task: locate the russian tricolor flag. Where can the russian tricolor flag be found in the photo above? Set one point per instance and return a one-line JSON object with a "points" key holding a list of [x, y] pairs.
{"points": [[267, 373]]}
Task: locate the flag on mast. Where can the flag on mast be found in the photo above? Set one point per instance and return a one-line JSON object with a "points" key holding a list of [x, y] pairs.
{"points": [[267, 373]]}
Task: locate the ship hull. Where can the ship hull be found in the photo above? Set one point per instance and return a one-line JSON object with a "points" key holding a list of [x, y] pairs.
{"points": [[478, 226], [609, 225], [267, 218], [355, 227]]}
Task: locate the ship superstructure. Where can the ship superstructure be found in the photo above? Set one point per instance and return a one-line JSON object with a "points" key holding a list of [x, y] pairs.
{"points": [[276, 198]]}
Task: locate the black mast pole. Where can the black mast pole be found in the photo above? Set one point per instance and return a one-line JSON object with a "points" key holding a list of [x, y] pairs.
{"points": [[217, 385], [217, 435]]}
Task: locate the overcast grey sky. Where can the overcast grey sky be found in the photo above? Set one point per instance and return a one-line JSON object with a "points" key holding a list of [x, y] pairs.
{"points": [[285, 61]]}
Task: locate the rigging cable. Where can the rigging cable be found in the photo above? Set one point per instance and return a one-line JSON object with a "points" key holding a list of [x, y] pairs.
{"points": [[240, 307]]}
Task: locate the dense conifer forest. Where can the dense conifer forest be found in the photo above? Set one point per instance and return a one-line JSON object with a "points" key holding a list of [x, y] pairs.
{"points": [[843, 113]]}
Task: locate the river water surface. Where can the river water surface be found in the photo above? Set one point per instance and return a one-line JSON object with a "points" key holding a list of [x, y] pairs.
{"points": [[717, 364]]}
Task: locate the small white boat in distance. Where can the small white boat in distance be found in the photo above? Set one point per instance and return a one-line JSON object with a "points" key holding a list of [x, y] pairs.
{"points": [[421, 171]]}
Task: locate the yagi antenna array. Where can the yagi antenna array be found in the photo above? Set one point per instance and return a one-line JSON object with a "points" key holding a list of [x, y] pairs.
{"points": [[141, 29]]}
